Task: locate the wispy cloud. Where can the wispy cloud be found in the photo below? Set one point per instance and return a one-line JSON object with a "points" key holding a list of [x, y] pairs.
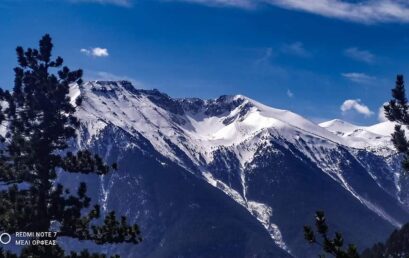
{"points": [[124, 3], [268, 53], [381, 113], [296, 48], [360, 55], [357, 106], [367, 11], [95, 52], [290, 94], [363, 11], [359, 77], [246, 4]]}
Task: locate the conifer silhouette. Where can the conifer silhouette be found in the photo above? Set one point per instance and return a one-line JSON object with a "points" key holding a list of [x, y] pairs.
{"points": [[39, 121]]}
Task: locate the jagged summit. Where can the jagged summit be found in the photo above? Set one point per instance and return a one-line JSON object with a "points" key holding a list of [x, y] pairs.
{"points": [[208, 124], [178, 106], [225, 120]]}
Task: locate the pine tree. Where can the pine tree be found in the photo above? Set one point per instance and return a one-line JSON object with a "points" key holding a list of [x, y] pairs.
{"points": [[395, 246], [39, 120], [332, 246], [397, 111]]}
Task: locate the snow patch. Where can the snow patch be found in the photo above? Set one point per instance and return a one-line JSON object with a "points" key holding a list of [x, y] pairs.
{"points": [[263, 213]]}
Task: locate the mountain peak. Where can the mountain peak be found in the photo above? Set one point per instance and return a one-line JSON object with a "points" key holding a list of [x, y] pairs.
{"points": [[224, 121], [108, 97], [234, 143], [108, 86], [339, 126]]}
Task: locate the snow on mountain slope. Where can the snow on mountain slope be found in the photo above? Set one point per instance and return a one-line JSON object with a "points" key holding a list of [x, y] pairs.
{"points": [[189, 131], [228, 131], [199, 130], [384, 128], [344, 128], [339, 126], [375, 138]]}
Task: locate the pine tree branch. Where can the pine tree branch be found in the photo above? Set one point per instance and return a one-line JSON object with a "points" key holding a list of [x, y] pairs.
{"points": [[83, 162]]}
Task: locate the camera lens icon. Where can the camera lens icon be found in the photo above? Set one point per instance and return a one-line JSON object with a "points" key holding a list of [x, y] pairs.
{"points": [[5, 238]]}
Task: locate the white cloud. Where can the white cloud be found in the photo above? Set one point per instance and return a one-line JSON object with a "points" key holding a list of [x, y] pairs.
{"points": [[96, 52], [360, 55], [356, 105], [297, 49], [381, 113], [363, 11], [359, 77], [290, 94], [85, 51]]}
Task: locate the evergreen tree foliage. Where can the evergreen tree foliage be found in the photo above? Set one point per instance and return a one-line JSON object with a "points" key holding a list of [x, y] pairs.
{"points": [[39, 120], [397, 111], [331, 246], [395, 247]]}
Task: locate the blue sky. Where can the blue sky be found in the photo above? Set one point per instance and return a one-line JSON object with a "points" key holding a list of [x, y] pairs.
{"points": [[322, 59]]}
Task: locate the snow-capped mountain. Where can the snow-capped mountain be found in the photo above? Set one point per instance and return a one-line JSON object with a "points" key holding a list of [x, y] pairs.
{"points": [[377, 137], [231, 177]]}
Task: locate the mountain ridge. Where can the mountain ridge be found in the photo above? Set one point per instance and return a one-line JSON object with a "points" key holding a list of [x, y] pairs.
{"points": [[227, 141]]}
